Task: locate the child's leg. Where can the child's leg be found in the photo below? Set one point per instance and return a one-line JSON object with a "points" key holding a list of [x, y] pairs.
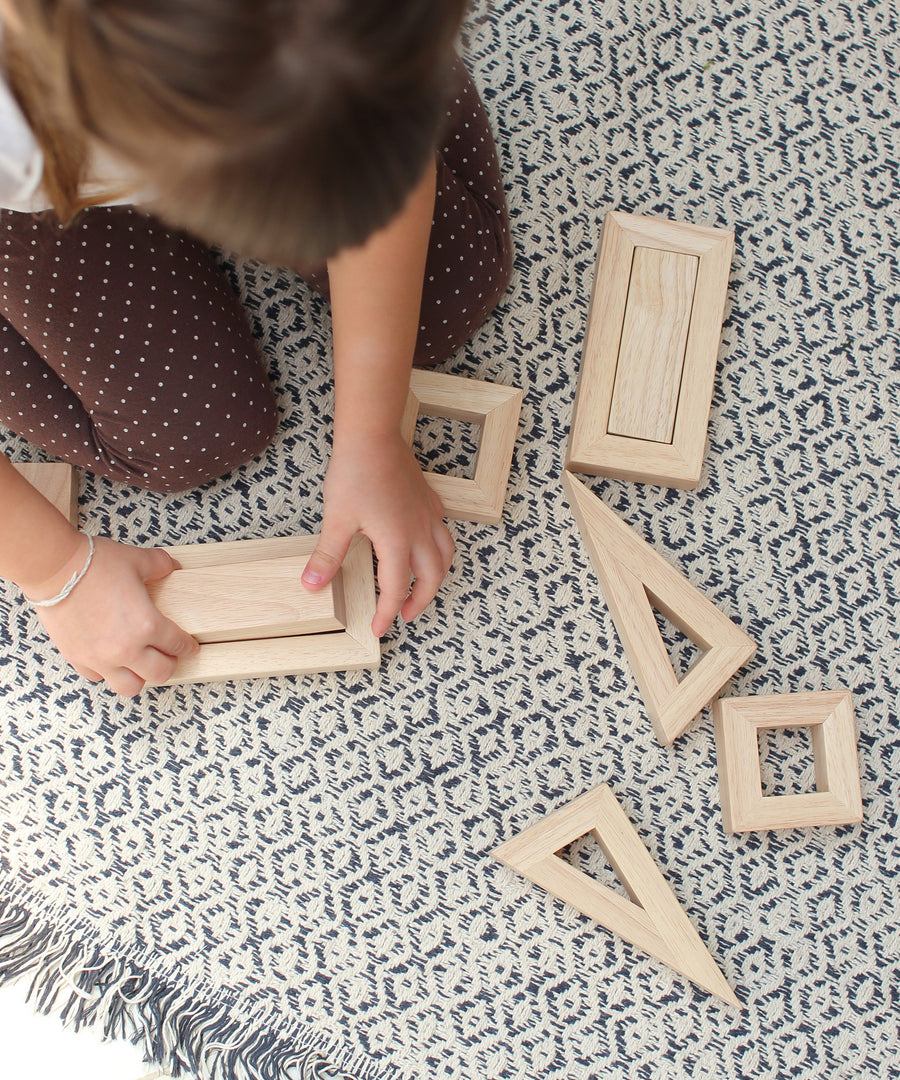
{"points": [[126, 352], [470, 251]]}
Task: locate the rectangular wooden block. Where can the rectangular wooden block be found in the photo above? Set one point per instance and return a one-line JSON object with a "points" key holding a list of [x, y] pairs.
{"points": [[651, 346], [352, 647], [247, 601], [56, 481], [654, 339]]}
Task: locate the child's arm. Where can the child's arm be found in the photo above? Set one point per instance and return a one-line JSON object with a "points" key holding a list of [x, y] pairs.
{"points": [[373, 483], [107, 628], [37, 544]]}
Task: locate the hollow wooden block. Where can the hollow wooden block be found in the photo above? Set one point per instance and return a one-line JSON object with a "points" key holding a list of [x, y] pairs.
{"points": [[652, 919], [349, 647], [837, 799], [248, 600], [57, 482], [652, 340], [635, 579], [496, 409]]}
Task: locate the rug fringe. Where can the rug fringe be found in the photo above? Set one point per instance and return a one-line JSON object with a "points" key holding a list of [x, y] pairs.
{"points": [[178, 1036]]}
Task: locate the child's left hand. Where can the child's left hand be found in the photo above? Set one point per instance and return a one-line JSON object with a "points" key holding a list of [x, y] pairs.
{"points": [[375, 486]]}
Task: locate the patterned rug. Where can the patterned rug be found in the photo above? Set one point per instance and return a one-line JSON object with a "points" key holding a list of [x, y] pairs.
{"points": [[291, 878]]}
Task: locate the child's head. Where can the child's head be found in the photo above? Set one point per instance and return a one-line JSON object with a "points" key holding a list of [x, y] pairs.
{"points": [[285, 129]]}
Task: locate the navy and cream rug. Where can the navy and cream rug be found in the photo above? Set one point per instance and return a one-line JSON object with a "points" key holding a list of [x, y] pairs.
{"points": [[291, 878]]}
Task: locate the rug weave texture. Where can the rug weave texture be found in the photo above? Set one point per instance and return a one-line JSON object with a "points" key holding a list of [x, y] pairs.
{"points": [[292, 877]]}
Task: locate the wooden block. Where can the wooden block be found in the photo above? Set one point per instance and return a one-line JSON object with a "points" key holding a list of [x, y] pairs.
{"points": [[652, 341], [57, 482], [652, 919], [353, 647], [248, 600], [837, 799], [635, 579], [496, 409]]}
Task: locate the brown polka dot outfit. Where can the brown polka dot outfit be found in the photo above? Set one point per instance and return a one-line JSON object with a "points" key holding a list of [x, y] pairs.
{"points": [[125, 351]]}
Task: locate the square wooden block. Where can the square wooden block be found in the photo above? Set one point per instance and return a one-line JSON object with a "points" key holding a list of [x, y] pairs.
{"points": [[650, 351], [837, 799], [496, 409], [244, 601]]}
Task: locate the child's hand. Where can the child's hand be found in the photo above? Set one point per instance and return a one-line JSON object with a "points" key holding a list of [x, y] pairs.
{"points": [[108, 628], [375, 486]]}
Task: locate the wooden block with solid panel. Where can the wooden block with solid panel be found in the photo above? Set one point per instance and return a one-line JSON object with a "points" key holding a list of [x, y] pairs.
{"points": [[239, 601], [496, 408], [652, 919], [652, 341], [837, 799], [635, 579], [56, 481], [245, 600]]}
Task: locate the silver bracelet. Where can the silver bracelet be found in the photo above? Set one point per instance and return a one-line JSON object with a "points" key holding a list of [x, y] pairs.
{"points": [[70, 584]]}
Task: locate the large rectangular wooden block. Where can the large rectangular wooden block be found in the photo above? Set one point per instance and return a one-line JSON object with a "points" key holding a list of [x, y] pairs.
{"points": [[650, 352], [295, 652]]}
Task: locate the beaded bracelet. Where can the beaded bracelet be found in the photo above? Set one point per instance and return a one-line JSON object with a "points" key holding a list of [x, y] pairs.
{"points": [[70, 585]]}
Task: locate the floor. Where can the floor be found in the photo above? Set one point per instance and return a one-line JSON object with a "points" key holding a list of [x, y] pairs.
{"points": [[38, 1047]]}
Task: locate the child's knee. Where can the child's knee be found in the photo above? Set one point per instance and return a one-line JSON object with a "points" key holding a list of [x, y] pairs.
{"points": [[168, 467]]}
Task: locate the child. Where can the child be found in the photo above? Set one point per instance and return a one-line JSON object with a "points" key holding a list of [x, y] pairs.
{"points": [[337, 137]]}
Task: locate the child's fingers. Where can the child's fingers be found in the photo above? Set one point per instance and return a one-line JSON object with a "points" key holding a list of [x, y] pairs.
{"points": [[429, 569], [445, 544], [154, 563], [154, 667], [87, 672], [393, 588], [326, 560], [170, 639], [124, 682]]}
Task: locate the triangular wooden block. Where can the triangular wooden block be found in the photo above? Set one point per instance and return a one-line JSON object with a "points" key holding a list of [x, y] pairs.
{"points": [[635, 579], [653, 920]]}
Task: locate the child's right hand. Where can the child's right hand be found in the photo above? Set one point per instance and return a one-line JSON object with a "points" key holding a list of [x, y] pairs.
{"points": [[108, 628]]}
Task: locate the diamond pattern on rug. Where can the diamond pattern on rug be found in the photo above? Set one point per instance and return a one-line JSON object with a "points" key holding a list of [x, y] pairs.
{"points": [[291, 877]]}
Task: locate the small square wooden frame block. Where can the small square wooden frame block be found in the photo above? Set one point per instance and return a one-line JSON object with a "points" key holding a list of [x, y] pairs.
{"points": [[650, 352], [837, 799], [496, 408]]}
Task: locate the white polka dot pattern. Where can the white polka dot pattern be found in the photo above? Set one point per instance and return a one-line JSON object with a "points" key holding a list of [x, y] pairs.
{"points": [[126, 352]]}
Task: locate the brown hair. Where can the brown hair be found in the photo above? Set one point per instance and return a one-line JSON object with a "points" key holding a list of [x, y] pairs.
{"points": [[284, 129]]}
